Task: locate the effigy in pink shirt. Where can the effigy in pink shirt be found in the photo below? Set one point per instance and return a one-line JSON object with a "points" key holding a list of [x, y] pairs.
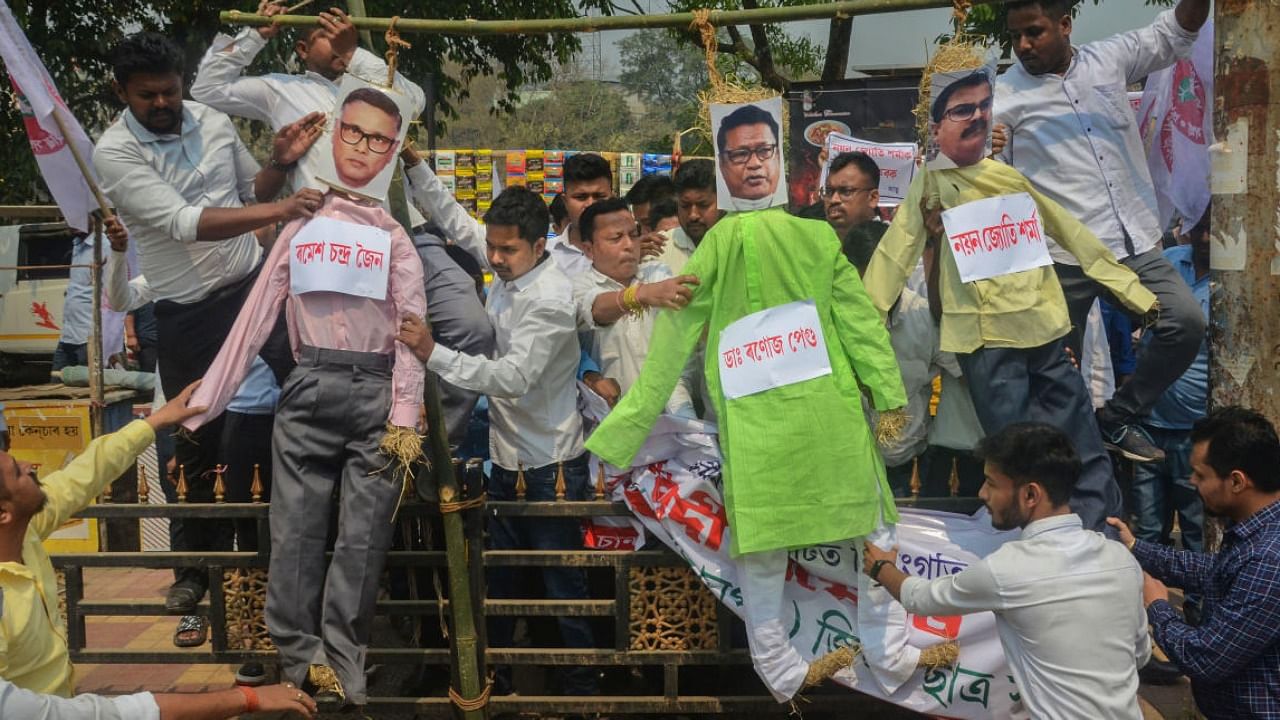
{"points": [[343, 237]]}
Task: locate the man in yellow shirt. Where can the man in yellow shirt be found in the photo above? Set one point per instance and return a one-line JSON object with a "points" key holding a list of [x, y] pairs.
{"points": [[1007, 331], [33, 634]]}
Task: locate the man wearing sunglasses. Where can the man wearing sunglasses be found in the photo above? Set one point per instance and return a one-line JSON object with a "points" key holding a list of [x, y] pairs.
{"points": [[961, 119], [364, 137], [747, 150]]}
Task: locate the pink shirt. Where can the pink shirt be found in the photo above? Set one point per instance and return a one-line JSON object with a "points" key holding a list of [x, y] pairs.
{"points": [[330, 320]]}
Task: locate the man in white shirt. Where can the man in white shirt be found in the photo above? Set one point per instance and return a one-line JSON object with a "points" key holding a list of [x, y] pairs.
{"points": [[535, 431], [16, 702], [1074, 136], [181, 180], [618, 297], [1067, 601]]}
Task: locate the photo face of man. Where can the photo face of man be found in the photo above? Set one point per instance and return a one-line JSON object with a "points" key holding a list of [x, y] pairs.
{"points": [[363, 143], [962, 133], [749, 162]]}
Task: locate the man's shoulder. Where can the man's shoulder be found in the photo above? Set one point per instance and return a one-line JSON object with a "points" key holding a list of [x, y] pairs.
{"points": [[1178, 253]]}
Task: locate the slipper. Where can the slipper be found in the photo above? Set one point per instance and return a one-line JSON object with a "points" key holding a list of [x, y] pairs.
{"points": [[195, 627], [181, 600]]}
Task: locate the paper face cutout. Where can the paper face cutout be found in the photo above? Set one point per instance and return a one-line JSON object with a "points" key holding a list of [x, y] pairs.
{"points": [[365, 135], [750, 174], [960, 117]]}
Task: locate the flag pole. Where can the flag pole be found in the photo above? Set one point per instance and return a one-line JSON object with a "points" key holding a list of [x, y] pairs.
{"points": [[97, 396]]}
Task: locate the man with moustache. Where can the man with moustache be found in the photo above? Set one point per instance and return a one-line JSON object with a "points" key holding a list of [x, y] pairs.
{"points": [[1067, 601], [1073, 135], [961, 118], [749, 155], [696, 209], [1233, 655]]}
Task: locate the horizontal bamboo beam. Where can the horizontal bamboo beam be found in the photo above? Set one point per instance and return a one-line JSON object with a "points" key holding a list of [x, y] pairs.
{"points": [[719, 18]]}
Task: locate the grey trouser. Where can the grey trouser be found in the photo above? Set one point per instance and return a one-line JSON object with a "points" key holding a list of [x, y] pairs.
{"points": [[1010, 385], [458, 321], [332, 416], [1175, 338]]}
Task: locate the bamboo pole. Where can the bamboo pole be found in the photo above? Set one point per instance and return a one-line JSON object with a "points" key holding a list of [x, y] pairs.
{"points": [[719, 18]]}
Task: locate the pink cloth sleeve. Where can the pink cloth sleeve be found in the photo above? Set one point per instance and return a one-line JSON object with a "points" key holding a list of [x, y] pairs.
{"points": [[248, 334], [408, 295]]}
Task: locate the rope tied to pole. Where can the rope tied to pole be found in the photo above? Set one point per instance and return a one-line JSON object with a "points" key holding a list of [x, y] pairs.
{"points": [[707, 34], [476, 703], [394, 43], [475, 502]]}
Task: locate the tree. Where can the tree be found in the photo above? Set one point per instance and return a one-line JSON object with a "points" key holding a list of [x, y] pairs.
{"points": [[73, 39]]}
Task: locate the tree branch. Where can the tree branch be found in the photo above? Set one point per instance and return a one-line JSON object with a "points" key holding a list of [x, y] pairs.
{"points": [[769, 74], [839, 37]]}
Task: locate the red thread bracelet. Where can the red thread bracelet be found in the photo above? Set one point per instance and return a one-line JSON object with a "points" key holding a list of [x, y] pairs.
{"points": [[250, 698]]}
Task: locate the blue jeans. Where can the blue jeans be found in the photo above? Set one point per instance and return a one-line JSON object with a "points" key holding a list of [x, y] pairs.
{"points": [[541, 533], [1161, 489], [66, 355]]}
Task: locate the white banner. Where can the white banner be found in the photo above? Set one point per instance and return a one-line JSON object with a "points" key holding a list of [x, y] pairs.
{"points": [[674, 489], [329, 255], [996, 236], [38, 99], [772, 348], [897, 163], [1176, 124]]}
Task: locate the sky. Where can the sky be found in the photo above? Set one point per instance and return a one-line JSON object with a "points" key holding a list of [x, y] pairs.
{"points": [[903, 38]]}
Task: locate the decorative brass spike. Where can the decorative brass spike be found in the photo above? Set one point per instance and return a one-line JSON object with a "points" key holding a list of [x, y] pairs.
{"points": [[143, 488], [256, 488], [560, 485], [953, 482], [219, 487], [600, 482], [182, 483], [520, 481], [915, 478]]}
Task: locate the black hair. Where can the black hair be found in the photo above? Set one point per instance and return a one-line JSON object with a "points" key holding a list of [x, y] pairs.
{"points": [[860, 243], [587, 220], [1052, 9], [1031, 452], [661, 210], [746, 115], [523, 209], [697, 174], [651, 189], [584, 167], [146, 52], [973, 79], [559, 210], [1244, 440], [377, 99], [859, 159]]}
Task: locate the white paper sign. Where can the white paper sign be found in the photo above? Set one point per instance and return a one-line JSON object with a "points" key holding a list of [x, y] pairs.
{"points": [[897, 163], [772, 348], [996, 236], [330, 255]]}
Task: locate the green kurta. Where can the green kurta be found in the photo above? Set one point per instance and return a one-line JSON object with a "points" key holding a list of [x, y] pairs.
{"points": [[800, 464]]}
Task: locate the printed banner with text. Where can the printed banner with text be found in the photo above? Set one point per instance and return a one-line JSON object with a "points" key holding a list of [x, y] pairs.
{"points": [[329, 255], [996, 236], [897, 163]]}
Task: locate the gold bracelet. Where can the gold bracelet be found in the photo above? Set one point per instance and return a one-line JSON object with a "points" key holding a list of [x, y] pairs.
{"points": [[634, 307]]}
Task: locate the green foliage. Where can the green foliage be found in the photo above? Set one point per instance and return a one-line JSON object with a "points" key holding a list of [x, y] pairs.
{"points": [[74, 37]]}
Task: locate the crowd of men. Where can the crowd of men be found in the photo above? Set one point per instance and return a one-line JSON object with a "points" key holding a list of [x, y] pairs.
{"points": [[995, 406]]}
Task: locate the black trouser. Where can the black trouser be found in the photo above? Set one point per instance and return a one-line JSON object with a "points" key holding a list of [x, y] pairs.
{"points": [[190, 335]]}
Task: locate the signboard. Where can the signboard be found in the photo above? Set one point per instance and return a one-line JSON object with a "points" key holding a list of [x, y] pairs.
{"points": [[772, 348], [897, 162], [329, 255], [50, 437], [878, 109], [996, 236]]}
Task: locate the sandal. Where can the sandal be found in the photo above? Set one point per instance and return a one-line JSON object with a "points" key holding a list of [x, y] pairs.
{"points": [[195, 627]]}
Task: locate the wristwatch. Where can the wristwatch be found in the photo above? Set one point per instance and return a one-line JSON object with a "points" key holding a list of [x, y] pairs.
{"points": [[874, 574]]}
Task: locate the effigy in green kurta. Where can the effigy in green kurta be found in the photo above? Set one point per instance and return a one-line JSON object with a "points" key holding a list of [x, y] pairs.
{"points": [[800, 463]]}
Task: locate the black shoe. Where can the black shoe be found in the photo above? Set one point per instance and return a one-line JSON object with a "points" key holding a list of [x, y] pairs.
{"points": [[1131, 441], [1159, 672], [182, 598], [251, 674]]}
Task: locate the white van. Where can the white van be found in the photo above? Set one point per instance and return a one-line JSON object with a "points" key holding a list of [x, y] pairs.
{"points": [[31, 300]]}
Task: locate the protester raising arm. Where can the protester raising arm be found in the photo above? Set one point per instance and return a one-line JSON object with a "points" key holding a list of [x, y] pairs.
{"points": [[432, 196], [671, 294], [291, 143]]}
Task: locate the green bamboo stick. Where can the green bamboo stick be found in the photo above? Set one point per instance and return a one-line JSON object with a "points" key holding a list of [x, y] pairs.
{"points": [[719, 18]]}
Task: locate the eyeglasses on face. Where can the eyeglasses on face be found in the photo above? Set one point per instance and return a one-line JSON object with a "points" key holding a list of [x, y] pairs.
{"points": [[843, 191], [740, 156], [964, 112], [377, 144]]}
